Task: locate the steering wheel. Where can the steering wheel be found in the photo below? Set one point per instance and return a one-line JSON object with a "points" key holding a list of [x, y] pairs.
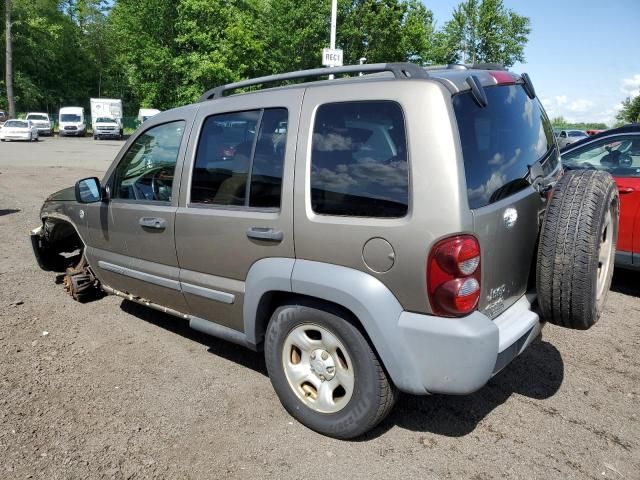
{"points": [[159, 186], [625, 160]]}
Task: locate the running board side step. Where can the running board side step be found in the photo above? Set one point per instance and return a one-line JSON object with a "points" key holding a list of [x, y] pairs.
{"points": [[219, 331]]}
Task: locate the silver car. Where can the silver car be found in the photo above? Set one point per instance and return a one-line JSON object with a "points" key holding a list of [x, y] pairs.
{"points": [[403, 230], [567, 137]]}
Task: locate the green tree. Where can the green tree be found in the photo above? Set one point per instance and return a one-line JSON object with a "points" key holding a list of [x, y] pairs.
{"points": [[218, 42], [386, 31], [483, 31], [143, 35], [630, 112]]}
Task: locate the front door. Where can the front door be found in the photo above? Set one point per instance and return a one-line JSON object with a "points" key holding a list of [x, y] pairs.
{"points": [[236, 203], [132, 234]]}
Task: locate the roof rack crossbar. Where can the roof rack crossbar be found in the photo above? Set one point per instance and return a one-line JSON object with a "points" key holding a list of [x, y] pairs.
{"points": [[399, 70]]}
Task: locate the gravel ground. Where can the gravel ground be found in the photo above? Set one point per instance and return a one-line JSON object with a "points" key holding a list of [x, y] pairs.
{"points": [[109, 389]]}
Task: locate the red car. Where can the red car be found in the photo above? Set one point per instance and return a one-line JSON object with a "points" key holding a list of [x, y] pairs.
{"points": [[618, 152]]}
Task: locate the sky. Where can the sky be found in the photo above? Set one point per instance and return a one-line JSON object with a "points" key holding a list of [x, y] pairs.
{"points": [[583, 56]]}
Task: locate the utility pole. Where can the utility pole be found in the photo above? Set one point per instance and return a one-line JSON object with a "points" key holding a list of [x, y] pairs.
{"points": [[334, 22], [9, 60]]}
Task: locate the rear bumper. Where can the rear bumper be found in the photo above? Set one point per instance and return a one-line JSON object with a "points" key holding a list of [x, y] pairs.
{"points": [[459, 355]]}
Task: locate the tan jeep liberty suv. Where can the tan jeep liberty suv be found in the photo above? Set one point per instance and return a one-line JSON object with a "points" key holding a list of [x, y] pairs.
{"points": [[393, 229]]}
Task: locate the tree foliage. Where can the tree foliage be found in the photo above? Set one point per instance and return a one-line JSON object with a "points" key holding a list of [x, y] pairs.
{"points": [[630, 111], [483, 31], [165, 53]]}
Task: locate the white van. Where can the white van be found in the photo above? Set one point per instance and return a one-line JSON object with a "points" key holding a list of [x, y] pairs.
{"points": [[71, 121]]}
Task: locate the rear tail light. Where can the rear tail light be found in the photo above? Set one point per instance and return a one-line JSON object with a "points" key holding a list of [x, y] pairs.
{"points": [[453, 276]]}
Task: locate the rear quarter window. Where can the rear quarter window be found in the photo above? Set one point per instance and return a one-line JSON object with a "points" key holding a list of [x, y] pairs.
{"points": [[501, 141], [359, 160]]}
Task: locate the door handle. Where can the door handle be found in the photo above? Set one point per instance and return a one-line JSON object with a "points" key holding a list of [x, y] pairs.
{"points": [[624, 190], [265, 233], [153, 222]]}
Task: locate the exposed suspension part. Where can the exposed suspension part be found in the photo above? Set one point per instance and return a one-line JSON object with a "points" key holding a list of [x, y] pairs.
{"points": [[80, 282]]}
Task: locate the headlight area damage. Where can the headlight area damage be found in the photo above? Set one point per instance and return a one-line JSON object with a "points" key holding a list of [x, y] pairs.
{"points": [[58, 247]]}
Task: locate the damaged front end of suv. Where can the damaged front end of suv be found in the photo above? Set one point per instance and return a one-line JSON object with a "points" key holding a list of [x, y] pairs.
{"points": [[58, 245]]}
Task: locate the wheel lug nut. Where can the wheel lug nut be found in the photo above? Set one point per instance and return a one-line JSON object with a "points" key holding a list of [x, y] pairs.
{"points": [[322, 377], [324, 355], [313, 355], [331, 369]]}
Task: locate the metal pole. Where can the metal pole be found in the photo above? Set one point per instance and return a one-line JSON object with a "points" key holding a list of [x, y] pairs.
{"points": [[334, 21]]}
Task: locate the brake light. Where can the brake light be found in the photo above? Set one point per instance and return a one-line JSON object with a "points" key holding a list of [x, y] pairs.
{"points": [[453, 276], [503, 78]]}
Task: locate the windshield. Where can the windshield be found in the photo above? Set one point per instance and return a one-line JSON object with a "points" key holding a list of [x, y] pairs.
{"points": [[577, 134], [500, 142], [36, 117], [105, 120], [619, 155], [16, 124], [70, 117]]}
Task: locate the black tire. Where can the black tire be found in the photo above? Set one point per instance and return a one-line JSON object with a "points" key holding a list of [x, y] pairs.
{"points": [[573, 232], [373, 394]]}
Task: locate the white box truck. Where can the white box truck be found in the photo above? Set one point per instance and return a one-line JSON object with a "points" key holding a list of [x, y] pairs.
{"points": [[146, 113], [107, 108], [71, 121]]}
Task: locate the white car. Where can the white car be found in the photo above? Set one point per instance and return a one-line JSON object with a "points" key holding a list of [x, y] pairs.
{"points": [[19, 130], [41, 122], [567, 137]]}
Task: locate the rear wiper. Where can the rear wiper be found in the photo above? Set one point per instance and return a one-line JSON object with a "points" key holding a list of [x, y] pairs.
{"points": [[537, 179]]}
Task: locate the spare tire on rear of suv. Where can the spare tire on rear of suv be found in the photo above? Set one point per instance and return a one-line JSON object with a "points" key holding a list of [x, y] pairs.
{"points": [[577, 249]]}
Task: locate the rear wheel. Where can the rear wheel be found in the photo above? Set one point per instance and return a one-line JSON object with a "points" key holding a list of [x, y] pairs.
{"points": [[325, 372], [577, 249]]}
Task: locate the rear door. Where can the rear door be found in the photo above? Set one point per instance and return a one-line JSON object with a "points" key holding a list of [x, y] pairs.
{"points": [[505, 145], [237, 200]]}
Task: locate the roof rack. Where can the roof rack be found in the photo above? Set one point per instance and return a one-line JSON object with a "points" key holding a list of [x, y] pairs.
{"points": [[465, 66], [399, 70]]}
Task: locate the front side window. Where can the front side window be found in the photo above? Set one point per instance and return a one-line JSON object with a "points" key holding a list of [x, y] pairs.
{"points": [[359, 160], [618, 155], [147, 169], [240, 159]]}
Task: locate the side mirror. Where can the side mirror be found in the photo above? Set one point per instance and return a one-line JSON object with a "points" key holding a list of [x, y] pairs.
{"points": [[88, 190]]}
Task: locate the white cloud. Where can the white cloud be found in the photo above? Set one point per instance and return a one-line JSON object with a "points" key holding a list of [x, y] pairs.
{"points": [[561, 99], [576, 110], [581, 105], [631, 86]]}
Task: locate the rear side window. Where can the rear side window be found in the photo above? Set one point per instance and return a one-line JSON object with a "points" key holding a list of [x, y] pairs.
{"points": [[240, 158], [501, 141], [359, 160]]}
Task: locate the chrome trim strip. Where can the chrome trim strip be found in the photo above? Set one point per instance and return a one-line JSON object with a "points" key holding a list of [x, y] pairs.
{"points": [[145, 277], [209, 293]]}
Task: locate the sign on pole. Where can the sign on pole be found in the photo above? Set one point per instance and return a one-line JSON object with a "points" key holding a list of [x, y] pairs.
{"points": [[332, 57]]}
